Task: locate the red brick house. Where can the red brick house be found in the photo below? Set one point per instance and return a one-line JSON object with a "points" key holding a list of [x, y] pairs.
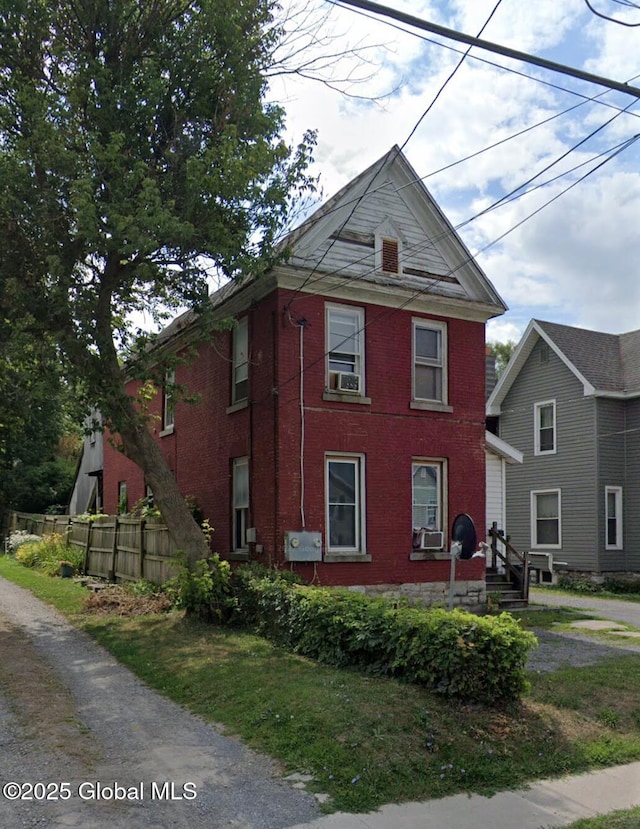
{"points": [[346, 408]]}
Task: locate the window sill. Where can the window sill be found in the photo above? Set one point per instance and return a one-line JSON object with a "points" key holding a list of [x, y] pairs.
{"points": [[427, 555], [168, 431], [337, 397], [427, 406], [238, 555], [237, 407], [332, 558]]}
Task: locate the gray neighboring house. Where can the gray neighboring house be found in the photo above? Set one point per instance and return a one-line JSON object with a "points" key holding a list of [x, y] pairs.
{"points": [[87, 490], [569, 401]]}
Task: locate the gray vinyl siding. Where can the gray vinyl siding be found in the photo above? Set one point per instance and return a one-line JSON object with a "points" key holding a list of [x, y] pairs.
{"points": [[570, 469], [631, 493], [611, 472]]}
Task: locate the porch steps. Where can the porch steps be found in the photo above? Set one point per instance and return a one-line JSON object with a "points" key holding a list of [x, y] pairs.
{"points": [[499, 585]]}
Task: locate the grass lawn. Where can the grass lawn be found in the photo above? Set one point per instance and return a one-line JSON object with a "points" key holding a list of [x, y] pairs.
{"points": [[366, 740], [626, 819]]}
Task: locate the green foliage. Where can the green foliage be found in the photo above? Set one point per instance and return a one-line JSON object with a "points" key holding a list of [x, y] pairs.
{"points": [[17, 539], [204, 589], [503, 353], [579, 584], [452, 652], [48, 553], [616, 584]]}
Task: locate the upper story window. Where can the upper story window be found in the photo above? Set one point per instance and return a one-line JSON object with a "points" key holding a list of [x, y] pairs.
{"points": [[545, 428], [429, 361], [168, 418], [345, 349], [240, 366]]}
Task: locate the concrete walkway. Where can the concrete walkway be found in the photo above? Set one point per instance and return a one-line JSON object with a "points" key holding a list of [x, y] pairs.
{"points": [[548, 803], [545, 804]]}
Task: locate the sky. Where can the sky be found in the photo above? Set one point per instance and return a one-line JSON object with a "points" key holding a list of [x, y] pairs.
{"points": [[569, 250]]}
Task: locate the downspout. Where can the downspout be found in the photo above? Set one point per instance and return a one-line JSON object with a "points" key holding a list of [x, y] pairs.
{"points": [[276, 441], [302, 425]]}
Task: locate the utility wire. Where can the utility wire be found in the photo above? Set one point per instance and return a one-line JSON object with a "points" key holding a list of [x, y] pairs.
{"points": [[370, 183]]}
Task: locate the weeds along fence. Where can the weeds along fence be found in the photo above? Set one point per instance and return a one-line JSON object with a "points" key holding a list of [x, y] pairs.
{"points": [[114, 547]]}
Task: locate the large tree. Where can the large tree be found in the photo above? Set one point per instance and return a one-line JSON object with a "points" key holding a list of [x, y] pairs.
{"points": [[137, 152]]}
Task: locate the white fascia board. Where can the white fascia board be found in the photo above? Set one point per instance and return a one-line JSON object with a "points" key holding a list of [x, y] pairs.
{"points": [[503, 449]]}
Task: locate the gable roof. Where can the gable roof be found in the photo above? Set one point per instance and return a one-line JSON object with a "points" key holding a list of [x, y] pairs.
{"points": [[338, 241], [607, 365], [436, 264]]}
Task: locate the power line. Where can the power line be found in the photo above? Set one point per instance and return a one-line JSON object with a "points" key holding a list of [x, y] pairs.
{"points": [[506, 51]]}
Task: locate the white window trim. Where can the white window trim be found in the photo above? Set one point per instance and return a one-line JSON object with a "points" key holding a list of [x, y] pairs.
{"points": [[242, 325], [168, 409], [420, 322], [534, 516], [237, 463], [537, 407], [359, 313], [441, 466], [359, 461], [617, 491]]}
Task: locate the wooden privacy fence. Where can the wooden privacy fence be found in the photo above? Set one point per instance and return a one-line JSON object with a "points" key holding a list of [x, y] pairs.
{"points": [[114, 547]]}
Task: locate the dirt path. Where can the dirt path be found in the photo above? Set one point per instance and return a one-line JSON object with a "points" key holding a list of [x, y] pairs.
{"points": [[69, 713]]}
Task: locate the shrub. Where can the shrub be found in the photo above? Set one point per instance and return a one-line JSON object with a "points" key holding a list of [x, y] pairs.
{"points": [[17, 538], [49, 553], [622, 585], [580, 584], [205, 590], [452, 652]]}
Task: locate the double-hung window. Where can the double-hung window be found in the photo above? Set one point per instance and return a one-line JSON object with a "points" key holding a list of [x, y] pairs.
{"points": [[613, 508], [345, 503], [240, 366], [427, 495], [240, 503], [429, 361], [546, 530], [545, 428], [168, 418], [345, 349]]}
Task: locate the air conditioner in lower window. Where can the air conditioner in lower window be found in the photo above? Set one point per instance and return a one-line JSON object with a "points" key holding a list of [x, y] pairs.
{"points": [[424, 539], [346, 381]]}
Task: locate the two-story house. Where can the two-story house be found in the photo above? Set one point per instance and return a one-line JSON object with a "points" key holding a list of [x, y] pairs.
{"points": [[341, 422], [569, 401]]}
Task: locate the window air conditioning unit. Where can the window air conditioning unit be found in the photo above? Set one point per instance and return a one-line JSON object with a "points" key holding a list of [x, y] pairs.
{"points": [[428, 539], [348, 382]]}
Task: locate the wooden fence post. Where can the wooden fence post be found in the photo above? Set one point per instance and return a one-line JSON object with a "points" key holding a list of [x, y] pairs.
{"points": [[87, 548], [143, 547], [114, 557]]}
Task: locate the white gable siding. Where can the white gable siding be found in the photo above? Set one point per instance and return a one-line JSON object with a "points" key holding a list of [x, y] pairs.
{"points": [[356, 257]]}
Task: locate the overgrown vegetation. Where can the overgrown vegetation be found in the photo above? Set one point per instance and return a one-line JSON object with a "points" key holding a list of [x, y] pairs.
{"points": [[49, 554], [367, 740], [627, 586]]}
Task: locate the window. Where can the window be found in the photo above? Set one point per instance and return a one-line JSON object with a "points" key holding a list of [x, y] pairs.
{"points": [[427, 495], [345, 349], [240, 380], [429, 361], [545, 428], [167, 401], [123, 499], [613, 502], [345, 503], [240, 503], [545, 519]]}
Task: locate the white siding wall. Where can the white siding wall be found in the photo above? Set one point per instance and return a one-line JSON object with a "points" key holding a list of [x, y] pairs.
{"points": [[495, 490]]}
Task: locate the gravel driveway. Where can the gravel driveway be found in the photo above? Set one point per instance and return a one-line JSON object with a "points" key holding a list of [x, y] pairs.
{"points": [[69, 713]]}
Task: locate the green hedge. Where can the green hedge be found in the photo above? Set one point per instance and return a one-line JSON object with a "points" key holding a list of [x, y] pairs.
{"points": [[455, 653]]}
